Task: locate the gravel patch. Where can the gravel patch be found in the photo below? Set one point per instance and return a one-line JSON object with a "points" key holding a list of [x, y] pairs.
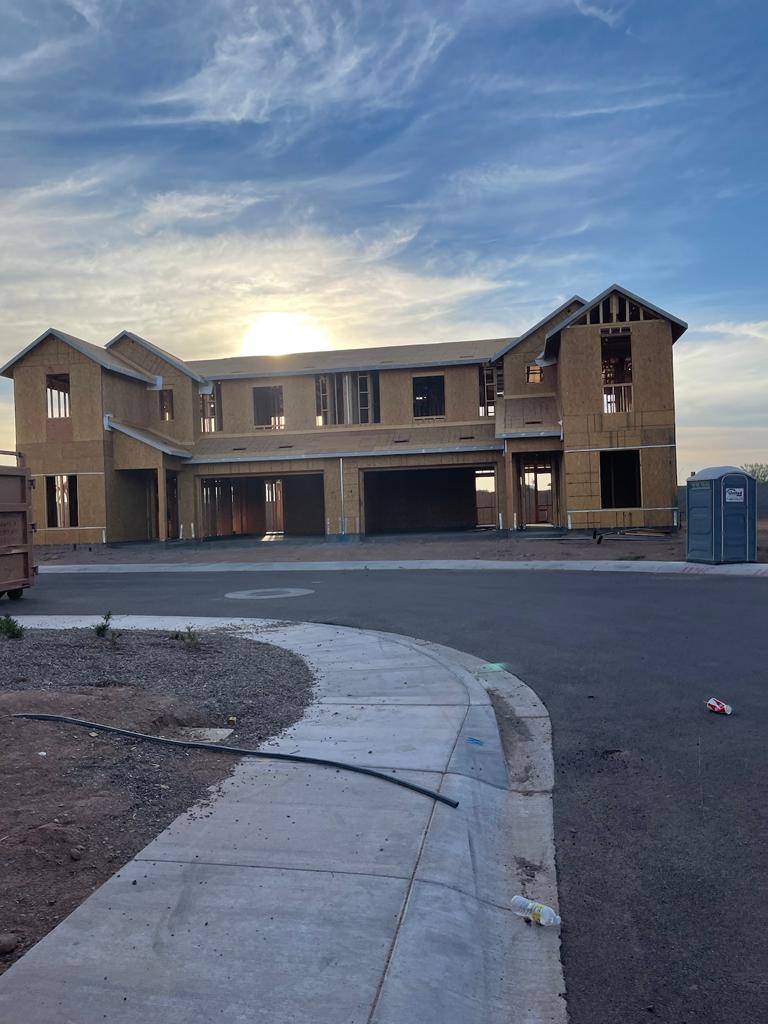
{"points": [[265, 687]]}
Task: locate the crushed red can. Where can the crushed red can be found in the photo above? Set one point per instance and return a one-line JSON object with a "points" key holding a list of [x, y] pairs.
{"points": [[718, 706]]}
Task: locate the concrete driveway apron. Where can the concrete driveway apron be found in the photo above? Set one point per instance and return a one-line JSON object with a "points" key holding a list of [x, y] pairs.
{"points": [[307, 894]]}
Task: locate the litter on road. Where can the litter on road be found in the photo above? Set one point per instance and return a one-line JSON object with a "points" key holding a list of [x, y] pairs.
{"points": [[533, 911], [718, 707]]}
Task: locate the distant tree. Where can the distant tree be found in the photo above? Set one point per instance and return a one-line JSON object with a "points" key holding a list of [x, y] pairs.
{"points": [[759, 470]]}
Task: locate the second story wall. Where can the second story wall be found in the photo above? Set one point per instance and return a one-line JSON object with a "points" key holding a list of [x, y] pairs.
{"points": [[396, 402], [237, 403], [33, 425], [461, 389]]}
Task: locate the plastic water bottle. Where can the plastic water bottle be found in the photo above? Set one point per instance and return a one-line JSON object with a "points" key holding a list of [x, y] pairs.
{"points": [[538, 912]]}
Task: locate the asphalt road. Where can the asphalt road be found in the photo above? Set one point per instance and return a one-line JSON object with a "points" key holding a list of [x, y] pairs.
{"points": [[660, 806]]}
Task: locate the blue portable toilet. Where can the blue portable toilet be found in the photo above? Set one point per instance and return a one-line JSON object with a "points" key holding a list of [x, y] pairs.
{"points": [[721, 505]]}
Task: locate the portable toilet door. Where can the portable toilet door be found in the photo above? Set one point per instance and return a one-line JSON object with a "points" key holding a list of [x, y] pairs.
{"points": [[737, 512], [700, 520]]}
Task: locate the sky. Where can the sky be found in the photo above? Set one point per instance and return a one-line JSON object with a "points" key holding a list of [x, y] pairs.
{"points": [[222, 175]]}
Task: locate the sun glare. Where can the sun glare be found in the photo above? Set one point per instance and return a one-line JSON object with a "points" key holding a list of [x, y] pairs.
{"points": [[276, 334]]}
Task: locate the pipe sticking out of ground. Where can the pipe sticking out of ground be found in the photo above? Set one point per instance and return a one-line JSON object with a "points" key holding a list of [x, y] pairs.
{"points": [[240, 752]]}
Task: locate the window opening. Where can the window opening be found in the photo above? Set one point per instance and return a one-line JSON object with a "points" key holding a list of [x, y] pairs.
{"points": [[344, 398], [61, 501], [166, 405], [428, 397], [268, 408], [57, 396], [210, 411]]}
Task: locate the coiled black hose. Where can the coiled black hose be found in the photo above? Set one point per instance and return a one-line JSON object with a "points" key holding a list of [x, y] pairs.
{"points": [[241, 751]]}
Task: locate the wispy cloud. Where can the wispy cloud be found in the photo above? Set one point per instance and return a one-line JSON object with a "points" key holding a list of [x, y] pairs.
{"points": [[289, 58], [172, 208], [512, 178], [46, 59], [608, 15]]}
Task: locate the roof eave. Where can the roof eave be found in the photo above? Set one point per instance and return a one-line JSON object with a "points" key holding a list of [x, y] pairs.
{"points": [[76, 344], [514, 342], [168, 357]]}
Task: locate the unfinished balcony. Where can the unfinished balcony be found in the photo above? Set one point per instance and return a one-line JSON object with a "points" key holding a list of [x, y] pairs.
{"points": [[617, 398], [617, 373]]}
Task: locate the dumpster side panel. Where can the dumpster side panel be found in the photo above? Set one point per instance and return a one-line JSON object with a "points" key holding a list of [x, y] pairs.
{"points": [[16, 564]]}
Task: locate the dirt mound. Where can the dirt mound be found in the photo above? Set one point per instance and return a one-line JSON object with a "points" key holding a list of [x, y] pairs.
{"points": [[77, 804]]}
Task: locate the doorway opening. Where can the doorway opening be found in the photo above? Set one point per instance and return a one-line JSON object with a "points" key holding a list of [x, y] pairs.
{"points": [[537, 485], [172, 504], [485, 498]]}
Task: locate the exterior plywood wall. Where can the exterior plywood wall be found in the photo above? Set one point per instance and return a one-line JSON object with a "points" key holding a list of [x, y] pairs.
{"points": [[649, 427]]}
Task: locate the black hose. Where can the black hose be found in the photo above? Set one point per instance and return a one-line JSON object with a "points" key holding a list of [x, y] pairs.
{"points": [[241, 751]]}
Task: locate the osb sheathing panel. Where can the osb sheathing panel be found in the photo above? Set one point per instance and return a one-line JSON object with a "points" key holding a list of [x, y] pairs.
{"points": [[91, 512], [462, 393], [237, 403], [128, 400], [186, 404], [54, 357], [581, 392], [127, 453], [128, 496], [76, 457], [91, 535], [658, 491], [651, 422]]}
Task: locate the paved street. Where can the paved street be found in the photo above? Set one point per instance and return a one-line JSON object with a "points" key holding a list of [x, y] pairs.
{"points": [[660, 817]]}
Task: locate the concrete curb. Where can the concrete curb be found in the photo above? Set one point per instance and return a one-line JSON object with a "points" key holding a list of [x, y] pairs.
{"points": [[753, 569], [457, 955]]}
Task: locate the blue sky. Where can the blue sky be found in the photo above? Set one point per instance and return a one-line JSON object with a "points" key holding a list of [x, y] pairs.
{"points": [[387, 173]]}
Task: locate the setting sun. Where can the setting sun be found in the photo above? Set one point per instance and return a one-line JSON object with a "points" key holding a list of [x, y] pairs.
{"points": [[275, 334]]}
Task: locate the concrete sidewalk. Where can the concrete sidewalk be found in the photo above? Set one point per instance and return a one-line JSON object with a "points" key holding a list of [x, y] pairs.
{"points": [[463, 565], [306, 894]]}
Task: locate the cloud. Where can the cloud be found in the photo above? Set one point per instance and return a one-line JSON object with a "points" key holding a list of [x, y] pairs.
{"points": [[721, 373], [288, 59], [91, 11], [47, 58], [511, 178], [169, 208], [609, 16], [196, 292]]}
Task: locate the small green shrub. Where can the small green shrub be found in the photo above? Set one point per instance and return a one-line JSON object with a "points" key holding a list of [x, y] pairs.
{"points": [[10, 628], [189, 637], [101, 629]]}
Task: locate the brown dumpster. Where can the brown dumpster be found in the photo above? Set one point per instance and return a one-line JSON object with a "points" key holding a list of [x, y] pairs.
{"points": [[16, 562]]}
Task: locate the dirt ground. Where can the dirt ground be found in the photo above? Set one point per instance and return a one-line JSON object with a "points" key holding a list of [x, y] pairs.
{"points": [[528, 545], [77, 805]]}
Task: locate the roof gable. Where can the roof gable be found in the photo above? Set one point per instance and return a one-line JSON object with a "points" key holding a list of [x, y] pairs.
{"points": [[167, 357], [552, 341], [108, 360]]}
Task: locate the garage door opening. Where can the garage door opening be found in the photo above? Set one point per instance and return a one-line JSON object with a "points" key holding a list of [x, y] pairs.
{"points": [[265, 507], [426, 500]]}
